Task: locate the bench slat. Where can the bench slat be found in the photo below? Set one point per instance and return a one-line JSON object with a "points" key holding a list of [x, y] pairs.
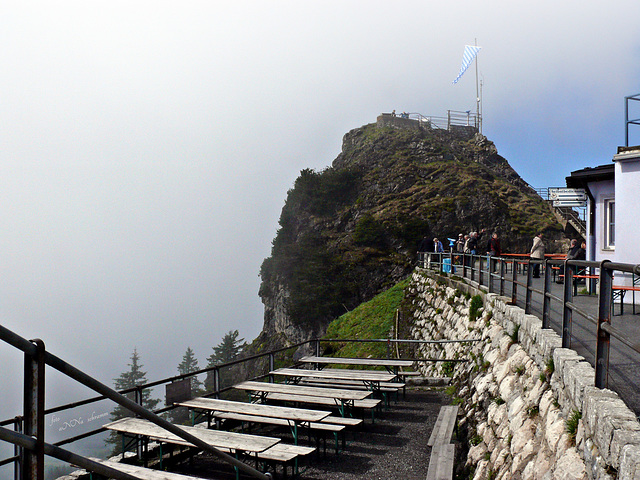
{"points": [[384, 386], [441, 462], [367, 403], [277, 421], [445, 423], [145, 473]]}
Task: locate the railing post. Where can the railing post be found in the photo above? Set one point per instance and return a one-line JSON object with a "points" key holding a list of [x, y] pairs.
{"points": [[502, 271], [216, 382], [567, 313], [271, 366], [490, 263], [17, 450], [514, 283], [464, 265], [317, 347], [473, 267], [527, 299], [33, 461], [480, 271], [546, 300], [603, 339]]}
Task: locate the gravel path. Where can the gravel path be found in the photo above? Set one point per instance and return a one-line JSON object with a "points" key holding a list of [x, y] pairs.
{"points": [[394, 447]]}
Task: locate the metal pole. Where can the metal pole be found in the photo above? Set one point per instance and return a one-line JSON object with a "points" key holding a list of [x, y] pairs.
{"points": [[514, 283], [33, 460], [603, 339], [546, 301], [216, 382], [473, 267], [527, 300], [477, 89], [502, 269], [567, 313], [271, 367]]}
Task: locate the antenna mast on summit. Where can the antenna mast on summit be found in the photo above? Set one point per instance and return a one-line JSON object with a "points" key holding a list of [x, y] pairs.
{"points": [[478, 117]]}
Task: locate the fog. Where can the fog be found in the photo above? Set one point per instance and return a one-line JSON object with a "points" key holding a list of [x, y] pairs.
{"points": [[147, 147]]}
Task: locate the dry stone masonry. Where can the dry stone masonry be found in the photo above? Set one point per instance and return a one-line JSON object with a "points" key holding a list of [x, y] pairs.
{"points": [[530, 408]]}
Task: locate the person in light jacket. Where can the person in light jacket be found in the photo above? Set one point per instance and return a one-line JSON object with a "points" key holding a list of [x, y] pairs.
{"points": [[537, 252]]}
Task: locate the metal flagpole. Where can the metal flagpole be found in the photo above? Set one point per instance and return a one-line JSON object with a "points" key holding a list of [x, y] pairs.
{"points": [[477, 93]]}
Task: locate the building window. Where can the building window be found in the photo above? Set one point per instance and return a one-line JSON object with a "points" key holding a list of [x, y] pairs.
{"points": [[609, 224]]}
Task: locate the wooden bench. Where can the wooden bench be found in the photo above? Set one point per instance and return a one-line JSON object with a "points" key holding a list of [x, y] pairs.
{"points": [[445, 424], [365, 404], [383, 387], [284, 454], [333, 428], [620, 291], [144, 473], [441, 462], [442, 451]]}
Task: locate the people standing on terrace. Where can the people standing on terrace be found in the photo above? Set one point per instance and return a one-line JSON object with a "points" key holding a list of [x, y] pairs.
{"points": [[473, 241], [466, 248], [493, 246], [460, 243], [537, 252], [576, 252], [437, 246]]}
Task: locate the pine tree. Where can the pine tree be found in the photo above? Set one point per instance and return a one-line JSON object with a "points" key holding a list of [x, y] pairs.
{"points": [[134, 377], [189, 364], [227, 350]]}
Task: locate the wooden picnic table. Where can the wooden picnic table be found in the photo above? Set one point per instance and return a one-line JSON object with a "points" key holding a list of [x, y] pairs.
{"points": [[237, 442], [342, 398], [256, 412], [367, 377], [299, 415]]}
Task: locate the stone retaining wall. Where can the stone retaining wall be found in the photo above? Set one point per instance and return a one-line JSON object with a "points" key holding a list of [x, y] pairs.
{"points": [[529, 406]]}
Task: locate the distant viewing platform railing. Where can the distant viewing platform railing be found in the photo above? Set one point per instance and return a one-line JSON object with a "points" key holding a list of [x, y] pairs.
{"points": [[453, 119], [27, 432], [583, 319]]}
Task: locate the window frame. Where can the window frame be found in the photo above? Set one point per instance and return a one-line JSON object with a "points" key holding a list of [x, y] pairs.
{"points": [[609, 224]]}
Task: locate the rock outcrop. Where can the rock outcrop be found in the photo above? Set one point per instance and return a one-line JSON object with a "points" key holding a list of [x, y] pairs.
{"points": [[350, 231]]}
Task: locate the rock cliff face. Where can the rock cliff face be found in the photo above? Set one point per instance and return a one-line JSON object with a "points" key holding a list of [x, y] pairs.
{"points": [[353, 229]]}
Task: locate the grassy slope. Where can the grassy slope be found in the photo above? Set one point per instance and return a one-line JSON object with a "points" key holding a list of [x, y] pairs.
{"points": [[372, 319]]}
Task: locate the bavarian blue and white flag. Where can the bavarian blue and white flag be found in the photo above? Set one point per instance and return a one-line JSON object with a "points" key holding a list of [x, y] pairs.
{"points": [[470, 52]]}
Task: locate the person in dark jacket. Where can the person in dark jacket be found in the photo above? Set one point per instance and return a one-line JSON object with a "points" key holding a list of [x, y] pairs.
{"points": [[493, 246]]}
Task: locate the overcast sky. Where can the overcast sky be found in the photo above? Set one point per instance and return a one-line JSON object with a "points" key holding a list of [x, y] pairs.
{"points": [[147, 147]]}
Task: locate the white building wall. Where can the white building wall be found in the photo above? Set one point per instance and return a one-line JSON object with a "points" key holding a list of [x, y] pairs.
{"points": [[601, 191], [627, 195]]}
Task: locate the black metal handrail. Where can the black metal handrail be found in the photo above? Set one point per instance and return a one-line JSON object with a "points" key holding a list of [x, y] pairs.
{"points": [[32, 465], [485, 275]]}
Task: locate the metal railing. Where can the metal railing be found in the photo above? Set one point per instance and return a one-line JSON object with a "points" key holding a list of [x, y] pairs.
{"points": [[28, 434], [492, 273], [453, 119]]}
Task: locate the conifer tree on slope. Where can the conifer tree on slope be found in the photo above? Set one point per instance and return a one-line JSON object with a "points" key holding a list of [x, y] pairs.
{"points": [[227, 351], [132, 378], [189, 364]]}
